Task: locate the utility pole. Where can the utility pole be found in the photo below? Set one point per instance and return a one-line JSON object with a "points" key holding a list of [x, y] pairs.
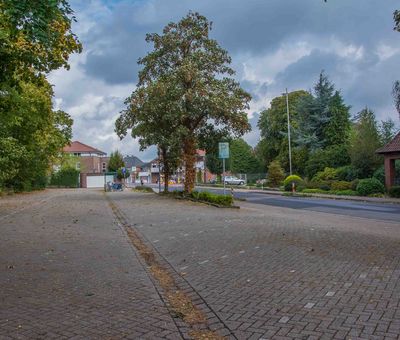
{"points": [[288, 128]]}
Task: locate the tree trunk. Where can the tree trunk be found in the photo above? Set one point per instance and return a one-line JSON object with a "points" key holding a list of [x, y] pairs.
{"points": [[189, 150], [166, 169]]}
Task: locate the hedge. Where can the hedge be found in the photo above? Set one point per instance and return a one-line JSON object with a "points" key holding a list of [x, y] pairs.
{"points": [[370, 186], [67, 177], [394, 191], [225, 200]]}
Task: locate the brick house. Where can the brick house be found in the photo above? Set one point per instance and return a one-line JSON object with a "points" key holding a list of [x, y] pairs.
{"points": [[92, 163]]}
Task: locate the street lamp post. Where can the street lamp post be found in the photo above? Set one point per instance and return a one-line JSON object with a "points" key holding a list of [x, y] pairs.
{"points": [[288, 128]]}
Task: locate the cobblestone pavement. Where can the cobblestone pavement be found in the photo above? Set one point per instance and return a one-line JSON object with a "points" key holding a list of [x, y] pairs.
{"points": [[275, 273], [68, 271]]}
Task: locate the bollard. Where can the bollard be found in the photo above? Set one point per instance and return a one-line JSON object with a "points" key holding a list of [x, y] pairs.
{"points": [[293, 187]]}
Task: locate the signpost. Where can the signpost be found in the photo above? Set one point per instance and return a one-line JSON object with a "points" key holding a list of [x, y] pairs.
{"points": [[223, 149]]}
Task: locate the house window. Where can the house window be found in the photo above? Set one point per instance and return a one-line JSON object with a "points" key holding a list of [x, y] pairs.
{"points": [[78, 165]]}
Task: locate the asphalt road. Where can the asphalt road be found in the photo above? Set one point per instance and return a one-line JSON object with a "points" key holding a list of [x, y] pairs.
{"points": [[376, 211]]}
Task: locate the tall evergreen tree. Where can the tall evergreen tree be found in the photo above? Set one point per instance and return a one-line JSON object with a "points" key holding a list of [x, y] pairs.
{"points": [[242, 158], [323, 117], [365, 140]]}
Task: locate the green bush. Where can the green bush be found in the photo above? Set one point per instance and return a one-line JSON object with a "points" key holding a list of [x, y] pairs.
{"points": [[346, 193], [225, 200], [287, 183], [340, 185], [347, 173], [394, 191], [370, 186], [332, 157], [66, 177], [275, 174], [329, 174], [354, 184], [315, 191], [143, 188]]}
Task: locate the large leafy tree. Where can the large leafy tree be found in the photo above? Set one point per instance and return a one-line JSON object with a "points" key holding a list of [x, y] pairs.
{"points": [[273, 129], [242, 158], [365, 140], [205, 100], [150, 114], [35, 38], [31, 134]]}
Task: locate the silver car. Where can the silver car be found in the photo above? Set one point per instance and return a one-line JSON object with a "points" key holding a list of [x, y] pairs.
{"points": [[233, 180]]}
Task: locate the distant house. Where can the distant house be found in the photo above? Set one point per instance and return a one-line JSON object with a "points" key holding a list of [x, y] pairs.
{"points": [[92, 164], [135, 166], [150, 172]]}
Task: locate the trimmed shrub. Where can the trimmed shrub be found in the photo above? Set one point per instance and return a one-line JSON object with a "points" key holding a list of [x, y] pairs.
{"points": [[287, 183], [225, 200], [143, 188], [370, 186], [395, 191], [340, 185]]}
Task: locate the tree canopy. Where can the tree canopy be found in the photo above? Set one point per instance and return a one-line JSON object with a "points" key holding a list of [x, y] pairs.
{"points": [[35, 38], [196, 91], [116, 161]]}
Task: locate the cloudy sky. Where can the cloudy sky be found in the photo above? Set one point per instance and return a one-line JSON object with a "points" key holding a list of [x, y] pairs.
{"points": [[274, 44]]}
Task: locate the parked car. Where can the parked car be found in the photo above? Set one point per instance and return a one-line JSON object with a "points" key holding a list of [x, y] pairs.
{"points": [[233, 180]]}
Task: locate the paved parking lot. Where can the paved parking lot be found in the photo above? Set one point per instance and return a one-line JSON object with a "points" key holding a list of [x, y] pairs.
{"points": [[67, 270], [261, 272], [271, 272]]}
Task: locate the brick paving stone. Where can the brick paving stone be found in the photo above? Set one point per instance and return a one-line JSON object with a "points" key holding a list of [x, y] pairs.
{"points": [[291, 258], [68, 271]]}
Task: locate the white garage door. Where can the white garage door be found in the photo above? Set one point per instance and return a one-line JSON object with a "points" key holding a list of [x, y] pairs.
{"points": [[95, 181]]}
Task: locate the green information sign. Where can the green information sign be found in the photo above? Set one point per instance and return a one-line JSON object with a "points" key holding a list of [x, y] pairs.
{"points": [[223, 149]]}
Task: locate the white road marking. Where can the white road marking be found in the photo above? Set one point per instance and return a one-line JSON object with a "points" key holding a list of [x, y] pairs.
{"points": [[155, 241], [183, 268], [203, 262], [309, 305], [241, 252], [224, 256], [257, 247]]}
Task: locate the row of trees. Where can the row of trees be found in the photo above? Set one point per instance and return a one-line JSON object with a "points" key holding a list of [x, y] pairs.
{"points": [[323, 133], [35, 39]]}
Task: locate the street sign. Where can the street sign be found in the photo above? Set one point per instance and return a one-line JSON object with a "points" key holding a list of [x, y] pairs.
{"points": [[223, 149], [123, 170]]}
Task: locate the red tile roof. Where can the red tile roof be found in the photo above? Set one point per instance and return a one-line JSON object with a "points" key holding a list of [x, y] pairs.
{"points": [[78, 147], [392, 146]]}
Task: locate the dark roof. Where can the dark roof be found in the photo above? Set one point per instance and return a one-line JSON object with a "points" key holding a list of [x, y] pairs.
{"points": [[131, 161], [392, 146], [78, 147]]}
